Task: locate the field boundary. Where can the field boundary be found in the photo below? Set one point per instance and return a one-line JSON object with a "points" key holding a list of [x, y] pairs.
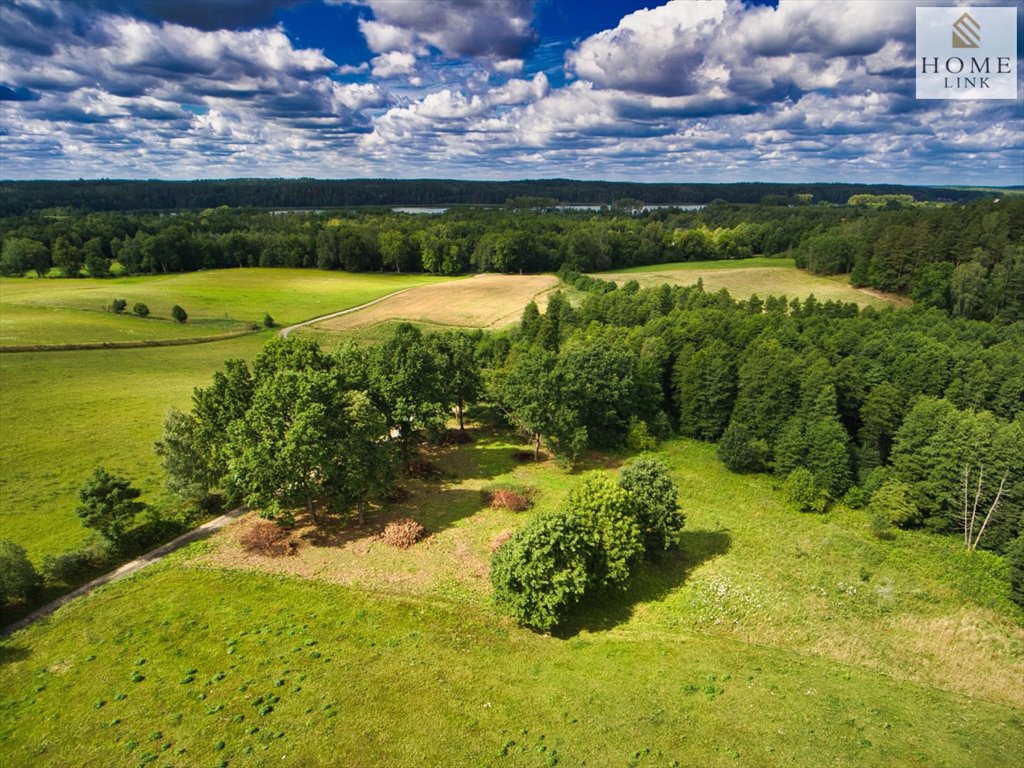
{"points": [[93, 345], [132, 566], [284, 332]]}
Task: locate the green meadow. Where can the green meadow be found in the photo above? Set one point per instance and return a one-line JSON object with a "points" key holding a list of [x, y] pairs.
{"points": [[772, 638], [59, 311]]}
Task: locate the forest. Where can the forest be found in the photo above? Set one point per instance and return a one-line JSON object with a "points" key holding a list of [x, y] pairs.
{"points": [[965, 259], [17, 197]]}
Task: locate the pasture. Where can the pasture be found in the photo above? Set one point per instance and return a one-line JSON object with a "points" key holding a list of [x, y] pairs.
{"points": [[50, 311], [763, 276], [773, 638]]}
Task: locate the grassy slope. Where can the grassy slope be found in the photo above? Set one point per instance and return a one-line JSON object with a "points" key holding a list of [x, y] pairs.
{"points": [[71, 311], [727, 655], [62, 413], [744, 277]]}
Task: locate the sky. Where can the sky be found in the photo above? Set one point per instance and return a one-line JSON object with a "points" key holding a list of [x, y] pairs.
{"points": [[685, 91]]}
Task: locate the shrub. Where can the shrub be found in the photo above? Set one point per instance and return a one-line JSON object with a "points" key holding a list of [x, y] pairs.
{"points": [[802, 491], [268, 321], [739, 451], [654, 503], [612, 532], [179, 314], [109, 504], [1015, 558], [510, 496], [68, 567], [880, 527], [18, 577], [140, 309], [854, 497], [894, 501], [118, 305], [639, 438], [541, 572], [403, 533], [266, 538]]}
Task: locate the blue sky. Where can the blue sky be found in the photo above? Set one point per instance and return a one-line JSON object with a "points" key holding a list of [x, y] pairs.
{"points": [[688, 90]]}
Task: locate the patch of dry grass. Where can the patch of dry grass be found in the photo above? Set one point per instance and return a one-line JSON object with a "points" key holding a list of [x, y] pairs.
{"points": [[743, 282], [483, 301]]}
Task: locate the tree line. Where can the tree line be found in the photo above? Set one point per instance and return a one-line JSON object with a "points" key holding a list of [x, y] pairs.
{"points": [[18, 197]]}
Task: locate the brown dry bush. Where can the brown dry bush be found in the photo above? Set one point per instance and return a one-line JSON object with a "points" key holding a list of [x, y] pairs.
{"points": [[403, 533], [498, 540], [505, 498], [268, 539]]}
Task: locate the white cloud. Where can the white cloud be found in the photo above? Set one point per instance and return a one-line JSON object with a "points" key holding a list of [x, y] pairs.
{"points": [[393, 64]]}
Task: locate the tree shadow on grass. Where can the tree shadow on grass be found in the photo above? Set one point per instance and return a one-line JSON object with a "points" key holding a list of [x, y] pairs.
{"points": [[652, 582], [12, 653]]}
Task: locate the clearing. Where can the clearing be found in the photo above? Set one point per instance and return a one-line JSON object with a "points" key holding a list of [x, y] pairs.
{"points": [[773, 638], [763, 276]]}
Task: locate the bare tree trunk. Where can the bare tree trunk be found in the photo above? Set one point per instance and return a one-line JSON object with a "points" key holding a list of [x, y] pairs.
{"points": [[462, 407], [311, 507], [991, 509]]}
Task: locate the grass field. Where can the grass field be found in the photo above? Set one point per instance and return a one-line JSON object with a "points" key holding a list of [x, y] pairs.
{"points": [[482, 301], [763, 276], [774, 639], [34, 311]]}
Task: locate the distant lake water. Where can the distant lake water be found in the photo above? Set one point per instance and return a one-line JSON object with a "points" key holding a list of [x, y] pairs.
{"points": [[419, 209], [645, 208]]}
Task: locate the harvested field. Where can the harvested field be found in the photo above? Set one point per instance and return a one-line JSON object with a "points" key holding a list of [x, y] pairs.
{"points": [[483, 301], [742, 281]]}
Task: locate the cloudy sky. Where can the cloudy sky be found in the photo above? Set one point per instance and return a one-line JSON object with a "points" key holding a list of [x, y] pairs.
{"points": [[691, 90]]}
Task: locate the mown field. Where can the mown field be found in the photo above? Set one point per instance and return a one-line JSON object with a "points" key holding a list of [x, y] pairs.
{"points": [[763, 276], [49, 311], [482, 301], [773, 638], [63, 413]]}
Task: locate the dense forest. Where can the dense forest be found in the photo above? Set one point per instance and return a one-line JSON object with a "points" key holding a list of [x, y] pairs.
{"points": [[17, 197], [966, 259]]}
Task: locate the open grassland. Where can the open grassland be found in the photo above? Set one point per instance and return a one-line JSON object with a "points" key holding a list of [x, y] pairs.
{"points": [[763, 276], [482, 301], [774, 638], [63, 413], [48, 311]]}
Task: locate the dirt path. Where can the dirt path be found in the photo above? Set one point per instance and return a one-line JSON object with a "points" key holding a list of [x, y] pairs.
{"points": [[285, 331], [138, 564]]}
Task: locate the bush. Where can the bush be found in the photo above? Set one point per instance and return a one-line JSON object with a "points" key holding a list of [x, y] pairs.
{"points": [[541, 572], [118, 305], [68, 568], [613, 534], [268, 321], [18, 577], [802, 491], [854, 497], [179, 314], [1015, 558], [894, 501], [639, 438], [654, 503], [269, 539], [140, 309], [510, 496], [403, 533], [739, 451]]}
